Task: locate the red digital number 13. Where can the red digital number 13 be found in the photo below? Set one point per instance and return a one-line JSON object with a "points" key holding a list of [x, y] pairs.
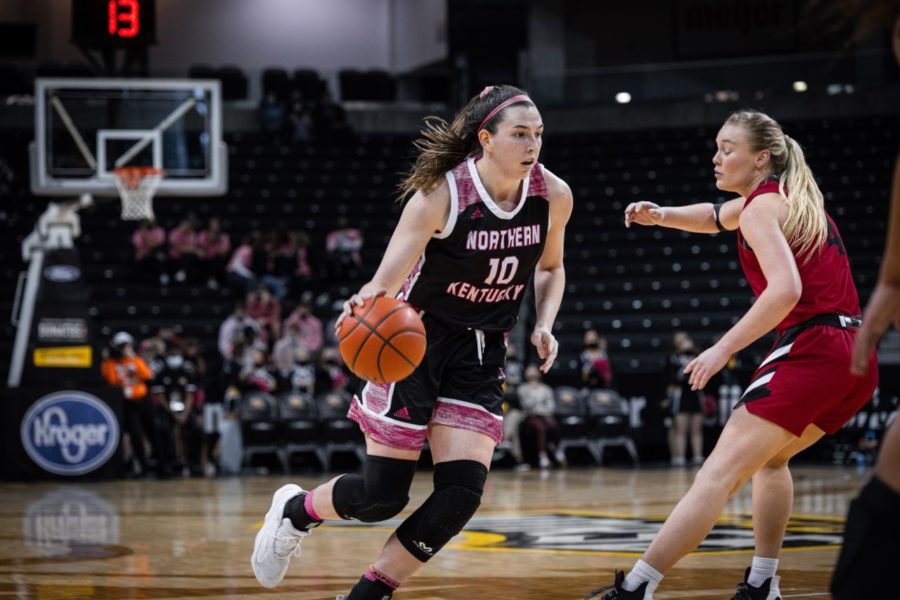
{"points": [[124, 18]]}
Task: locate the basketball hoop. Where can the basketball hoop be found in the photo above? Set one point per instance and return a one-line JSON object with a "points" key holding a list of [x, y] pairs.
{"points": [[137, 185]]}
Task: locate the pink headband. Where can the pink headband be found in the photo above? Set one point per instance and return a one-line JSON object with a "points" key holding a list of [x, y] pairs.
{"points": [[501, 106]]}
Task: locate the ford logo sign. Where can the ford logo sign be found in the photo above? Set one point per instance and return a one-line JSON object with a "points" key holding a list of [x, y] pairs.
{"points": [[62, 273], [70, 433]]}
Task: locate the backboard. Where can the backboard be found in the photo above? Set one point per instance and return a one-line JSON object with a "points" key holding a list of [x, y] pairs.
{"points": [[86, 128]]}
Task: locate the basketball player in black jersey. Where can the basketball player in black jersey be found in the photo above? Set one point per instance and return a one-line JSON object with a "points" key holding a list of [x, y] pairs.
{"points": [[483, 218]]}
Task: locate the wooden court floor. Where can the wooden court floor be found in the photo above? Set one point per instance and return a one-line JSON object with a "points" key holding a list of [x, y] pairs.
{"points": [[543, 536]]}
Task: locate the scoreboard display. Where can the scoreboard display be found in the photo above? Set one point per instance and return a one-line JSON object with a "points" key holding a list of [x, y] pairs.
{"points": [[113, 23]]}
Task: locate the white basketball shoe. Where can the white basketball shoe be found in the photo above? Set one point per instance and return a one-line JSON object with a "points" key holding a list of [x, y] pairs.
{"points": [[277, 541]]}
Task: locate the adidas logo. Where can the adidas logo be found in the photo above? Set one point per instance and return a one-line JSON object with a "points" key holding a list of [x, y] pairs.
{"points": [[476, 214], [403, 413], [424, 548]]}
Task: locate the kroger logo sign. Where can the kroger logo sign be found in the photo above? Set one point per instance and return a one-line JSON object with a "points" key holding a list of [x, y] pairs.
{"points": [[70, 433], [62, 273]]}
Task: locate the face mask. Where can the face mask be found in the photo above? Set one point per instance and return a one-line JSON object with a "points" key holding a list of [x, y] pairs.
{"points": [[593, 345], [175, 362]]}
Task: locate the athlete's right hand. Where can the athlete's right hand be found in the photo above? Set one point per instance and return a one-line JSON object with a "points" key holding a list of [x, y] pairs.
{"points": [[643, 213], [370, 290]]}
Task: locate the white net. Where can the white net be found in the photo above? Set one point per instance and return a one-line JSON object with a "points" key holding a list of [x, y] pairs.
{"points": [[137, 185]]}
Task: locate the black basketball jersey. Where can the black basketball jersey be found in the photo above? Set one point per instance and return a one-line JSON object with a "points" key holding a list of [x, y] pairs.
{"points": [[475, 272]]}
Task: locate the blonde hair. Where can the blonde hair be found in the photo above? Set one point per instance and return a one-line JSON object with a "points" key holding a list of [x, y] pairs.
{"points": [[442, 146], [806, 227]]}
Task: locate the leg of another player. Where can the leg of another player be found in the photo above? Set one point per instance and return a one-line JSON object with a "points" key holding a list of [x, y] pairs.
{"points": [[450, 447], [747, 443], [887, 469], [773, 499], [872, 532], [680, 426], [697, 438]]}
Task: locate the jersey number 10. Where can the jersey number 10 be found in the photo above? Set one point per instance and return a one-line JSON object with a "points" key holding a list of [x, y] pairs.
{"points": [[507, 270]]}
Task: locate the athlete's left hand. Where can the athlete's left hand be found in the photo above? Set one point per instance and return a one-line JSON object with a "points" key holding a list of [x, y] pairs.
{"points": [[547, 347], [705, 366]]}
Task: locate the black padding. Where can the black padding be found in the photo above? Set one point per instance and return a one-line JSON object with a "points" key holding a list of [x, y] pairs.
{"points": [[871, 545], [458, 486], [380, 493]]}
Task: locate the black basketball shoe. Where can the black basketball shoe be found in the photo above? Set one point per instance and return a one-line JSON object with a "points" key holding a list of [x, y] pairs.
{"points": [[767, 591], [616, 592]]}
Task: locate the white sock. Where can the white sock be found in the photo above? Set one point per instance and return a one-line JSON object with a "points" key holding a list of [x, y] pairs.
{"points": [[762, 569], [640, 573]]}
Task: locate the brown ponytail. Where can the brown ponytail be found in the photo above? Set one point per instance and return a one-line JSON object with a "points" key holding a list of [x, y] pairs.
{"points": [[442, 146]]}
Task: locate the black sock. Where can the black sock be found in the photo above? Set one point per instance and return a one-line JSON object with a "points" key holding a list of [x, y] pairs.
{"points": [[296, 512], [367, 589]]}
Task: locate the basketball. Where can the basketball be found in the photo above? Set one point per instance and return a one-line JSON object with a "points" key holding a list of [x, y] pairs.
{"points": [[382, 341]]}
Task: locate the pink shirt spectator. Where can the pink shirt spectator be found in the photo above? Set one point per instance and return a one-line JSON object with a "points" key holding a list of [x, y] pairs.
{"points": [[181, 241], [310, 329], [147, 240], [211, 247], [345, 241], [303, 268], [241, 260], [265, 310]]}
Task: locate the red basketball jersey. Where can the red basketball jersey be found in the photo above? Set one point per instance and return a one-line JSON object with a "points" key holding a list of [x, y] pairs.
{"points": [[828, 286]]}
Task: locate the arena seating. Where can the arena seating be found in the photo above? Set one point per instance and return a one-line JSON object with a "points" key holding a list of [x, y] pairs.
{"points": [[635, 286]]}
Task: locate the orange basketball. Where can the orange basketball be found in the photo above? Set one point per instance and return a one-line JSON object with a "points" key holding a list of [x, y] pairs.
{"points": [[383, 340]]}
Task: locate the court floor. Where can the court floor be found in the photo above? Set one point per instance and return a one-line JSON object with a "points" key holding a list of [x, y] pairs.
{"points": [[538, 535]]}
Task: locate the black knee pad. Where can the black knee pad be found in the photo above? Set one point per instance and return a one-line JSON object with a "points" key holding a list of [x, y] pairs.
{"points": [[380, 493], [458, 486]]}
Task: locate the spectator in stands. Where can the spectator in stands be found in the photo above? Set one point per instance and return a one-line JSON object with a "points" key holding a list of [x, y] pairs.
{"points": [[301, 377], [184, 253], [342, 247], [538, 405], [309, 326], [215, 248], [169, 337], [248, 267], [258, 375], [512, 414], [301, 119], [265, 309], [238, 271], [286, 347], [684, 404], [291, 261], [329, 332], [153, 351], [175, 391], [128, 372], [194, 356], [596, 370], [271, 114], [303, 272], [234, 328], [330, 373], [149, 241]]}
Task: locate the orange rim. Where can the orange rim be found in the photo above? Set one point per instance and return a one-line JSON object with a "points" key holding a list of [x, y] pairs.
{"points": [[131, 177]]}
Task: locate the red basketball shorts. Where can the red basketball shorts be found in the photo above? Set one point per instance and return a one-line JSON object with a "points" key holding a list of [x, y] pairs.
{"points": [[805, 379]]}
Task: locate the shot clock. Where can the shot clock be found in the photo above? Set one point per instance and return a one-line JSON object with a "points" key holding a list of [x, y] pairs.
{"points": [[113, 23]]}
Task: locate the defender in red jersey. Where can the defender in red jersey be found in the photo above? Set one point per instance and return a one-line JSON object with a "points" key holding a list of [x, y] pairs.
{"points": [[484, 217], [793, 257]]}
